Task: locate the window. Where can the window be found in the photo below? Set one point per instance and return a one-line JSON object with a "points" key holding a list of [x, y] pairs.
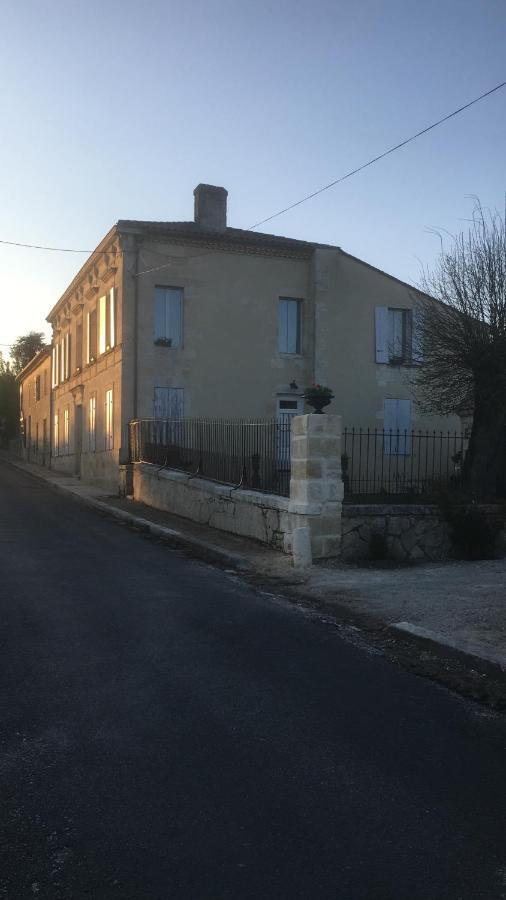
{"points": [[45, 382], [169, 316], [397, 425], [79, 345], [289, 327], [398, 335], [37, 387], [168, 403], [55, 368], [108, 420], [56, 435], [64, 358], [91, 336], [92, 423], [106, 321], [66, 431]]}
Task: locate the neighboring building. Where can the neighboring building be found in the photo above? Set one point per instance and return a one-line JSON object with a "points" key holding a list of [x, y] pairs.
{"points": [[35, 408], [198, 319]]}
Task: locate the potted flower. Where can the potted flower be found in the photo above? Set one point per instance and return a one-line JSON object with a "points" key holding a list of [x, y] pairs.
{"points": [[318, 396]]}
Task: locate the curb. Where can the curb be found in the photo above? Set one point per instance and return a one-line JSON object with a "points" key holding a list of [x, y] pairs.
{"points": [[204, 549], [474, 654]]}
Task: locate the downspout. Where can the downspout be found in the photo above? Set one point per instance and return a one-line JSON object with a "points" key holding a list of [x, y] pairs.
{"points": [[136, 321]]}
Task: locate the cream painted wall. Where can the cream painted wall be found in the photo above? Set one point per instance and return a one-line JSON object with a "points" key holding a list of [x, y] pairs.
{"points": [[229, 363]]}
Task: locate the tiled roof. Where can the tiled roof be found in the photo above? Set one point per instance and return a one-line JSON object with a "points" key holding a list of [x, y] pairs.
{"points": [[232, 238]]}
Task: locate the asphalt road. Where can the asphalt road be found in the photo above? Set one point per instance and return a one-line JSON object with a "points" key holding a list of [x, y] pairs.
{"points": [[168, 732]]}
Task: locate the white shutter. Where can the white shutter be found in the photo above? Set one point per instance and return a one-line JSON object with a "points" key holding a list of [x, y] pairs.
{"points": [[168, 403], [160, 331], [112, 317], [62, 359], [67, 355], [417, 336], [382, 334], [102, 319], [283, 327], [88, 327], [293, 326], [173, 309], [397, 424]]}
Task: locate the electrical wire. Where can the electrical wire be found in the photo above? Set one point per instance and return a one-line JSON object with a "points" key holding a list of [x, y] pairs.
{"points": [[380, 156], [321, 190]]}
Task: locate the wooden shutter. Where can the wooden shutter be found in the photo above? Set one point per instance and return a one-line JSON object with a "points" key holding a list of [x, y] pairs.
{"points": [[160, 313], [102, 324], [93, 334], [79, 345], [173, 312], [382, 334], [111, 319], [397, 425], [283, 327]]}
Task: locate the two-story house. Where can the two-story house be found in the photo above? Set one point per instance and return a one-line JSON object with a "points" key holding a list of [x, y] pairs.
{"points": [[35, 408], [200, 319]]}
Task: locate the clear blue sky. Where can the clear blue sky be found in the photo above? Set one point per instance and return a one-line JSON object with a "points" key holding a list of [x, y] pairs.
{"points": [[118, 109]]}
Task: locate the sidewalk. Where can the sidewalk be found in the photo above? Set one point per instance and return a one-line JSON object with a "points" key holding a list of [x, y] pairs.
{"points": [[457, 605]]}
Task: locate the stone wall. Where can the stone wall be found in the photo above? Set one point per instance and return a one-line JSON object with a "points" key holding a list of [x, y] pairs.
{"points": [[406, 533], [263, 517], [409, 533]]}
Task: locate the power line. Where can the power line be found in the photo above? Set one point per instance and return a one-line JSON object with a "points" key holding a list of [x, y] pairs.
{"points": [[321, 190], [39, 247], [381, 156]]}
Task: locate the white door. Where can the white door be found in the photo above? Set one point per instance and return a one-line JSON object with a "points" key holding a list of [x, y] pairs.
{"points": [[288, 407]]}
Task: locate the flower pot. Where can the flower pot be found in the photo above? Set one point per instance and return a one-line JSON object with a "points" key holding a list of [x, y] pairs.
{"points": [[318, 403]]}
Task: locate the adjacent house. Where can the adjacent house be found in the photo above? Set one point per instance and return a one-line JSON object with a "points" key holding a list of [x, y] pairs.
{"points": [[200, 319], [35, 408]]}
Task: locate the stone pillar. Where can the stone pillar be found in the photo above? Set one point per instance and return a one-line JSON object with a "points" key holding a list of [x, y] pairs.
{"points": [[316, 487]]}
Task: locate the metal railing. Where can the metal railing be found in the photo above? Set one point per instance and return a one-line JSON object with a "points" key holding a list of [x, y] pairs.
{"points": [[380, 463], [244, 453]]}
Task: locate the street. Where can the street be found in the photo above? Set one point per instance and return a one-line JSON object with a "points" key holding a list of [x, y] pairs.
{"points": [[169, 732]]}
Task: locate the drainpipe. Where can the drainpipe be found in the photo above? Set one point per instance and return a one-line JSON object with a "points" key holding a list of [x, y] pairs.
{"points": [[136, 325]]}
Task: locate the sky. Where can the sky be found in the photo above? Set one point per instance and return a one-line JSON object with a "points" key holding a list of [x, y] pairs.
{"points": [[119, 110]]}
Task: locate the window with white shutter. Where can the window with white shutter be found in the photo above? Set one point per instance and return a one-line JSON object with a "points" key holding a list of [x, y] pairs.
{"points": [[168, 331], [289, 325], [92, 423], [168, 403], [108, 421], [397, 427]]}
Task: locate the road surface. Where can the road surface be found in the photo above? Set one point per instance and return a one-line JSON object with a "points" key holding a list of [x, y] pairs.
{"points": [[169, 732]]}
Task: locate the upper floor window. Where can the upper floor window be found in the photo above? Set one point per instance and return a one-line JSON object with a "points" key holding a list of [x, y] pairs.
{"points": [[168, 316], [91, 335], [397, 335], [37, 387], [65, 357], [289, 325], [92, 423], [106, 321]]}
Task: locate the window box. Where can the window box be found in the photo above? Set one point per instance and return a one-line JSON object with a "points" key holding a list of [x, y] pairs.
{"points": [[163, 342]]}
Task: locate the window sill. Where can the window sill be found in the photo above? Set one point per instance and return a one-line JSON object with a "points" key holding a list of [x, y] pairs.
{"points": [[291, 355]]}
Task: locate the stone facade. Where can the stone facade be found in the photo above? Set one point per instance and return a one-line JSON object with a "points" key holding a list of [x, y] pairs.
{"points": [[35, 408]]}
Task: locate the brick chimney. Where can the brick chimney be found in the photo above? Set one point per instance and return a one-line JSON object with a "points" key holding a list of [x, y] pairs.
{"points": [[211, 207]]}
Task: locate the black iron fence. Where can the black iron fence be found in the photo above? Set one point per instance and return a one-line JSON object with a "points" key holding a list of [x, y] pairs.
{"points": [[244, 453], [407, 464]]}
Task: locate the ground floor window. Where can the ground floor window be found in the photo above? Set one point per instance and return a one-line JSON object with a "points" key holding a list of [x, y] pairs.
{"points": [[92, 423], [66, 431], [108, 421], [56, 435]]}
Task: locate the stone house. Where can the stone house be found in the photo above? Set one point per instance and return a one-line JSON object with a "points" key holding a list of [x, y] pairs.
{"points": [[200, 319], [35, 408]]}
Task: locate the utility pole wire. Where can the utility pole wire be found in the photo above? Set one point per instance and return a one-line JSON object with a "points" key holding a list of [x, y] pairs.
{"points": [[381, 156]]}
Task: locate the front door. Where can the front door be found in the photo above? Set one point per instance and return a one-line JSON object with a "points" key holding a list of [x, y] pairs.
{"points": [[288, 407]]}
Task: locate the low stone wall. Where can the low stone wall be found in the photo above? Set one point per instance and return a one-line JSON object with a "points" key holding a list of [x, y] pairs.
{"points": [[263, 517], [406, 533], [409, 533]]}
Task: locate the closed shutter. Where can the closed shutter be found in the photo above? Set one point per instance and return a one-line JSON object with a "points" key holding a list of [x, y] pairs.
{"points": [[173, 312], [112, 318], [102, 324], [159, 314], [382, 334], [168, 403], [397, 425]]}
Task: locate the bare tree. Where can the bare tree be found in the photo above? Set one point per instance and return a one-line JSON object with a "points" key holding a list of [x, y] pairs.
{"points": [[464, 345]]}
